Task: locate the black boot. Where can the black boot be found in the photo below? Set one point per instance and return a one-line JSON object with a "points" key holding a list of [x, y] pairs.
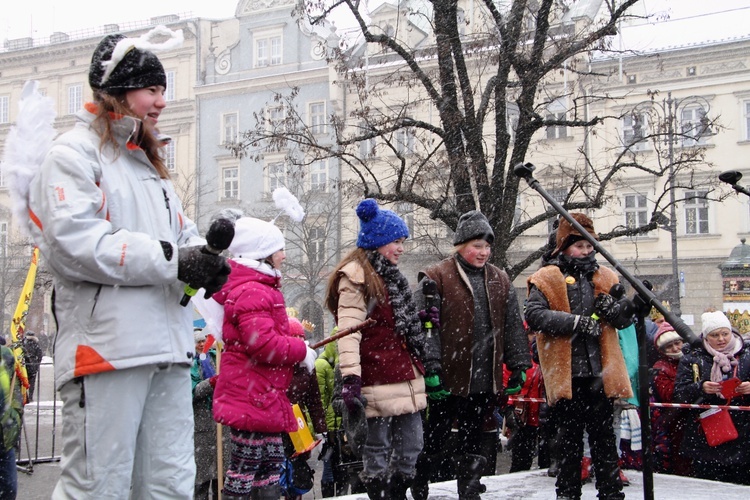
{"points": [[328, 490], [554, 468], [398, 485], [270, 492], [377, 487], [468, 473], [419, 485]]}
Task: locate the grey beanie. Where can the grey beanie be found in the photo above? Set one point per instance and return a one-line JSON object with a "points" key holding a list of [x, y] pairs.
{"points": [[473, 225]]}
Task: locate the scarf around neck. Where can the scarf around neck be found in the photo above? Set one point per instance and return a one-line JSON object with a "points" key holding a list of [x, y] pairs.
{"points": [[724, 359], [584, 265], [399, 295]]}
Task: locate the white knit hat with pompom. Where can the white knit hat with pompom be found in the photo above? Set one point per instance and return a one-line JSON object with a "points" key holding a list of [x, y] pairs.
{"points": [[255, 239]]}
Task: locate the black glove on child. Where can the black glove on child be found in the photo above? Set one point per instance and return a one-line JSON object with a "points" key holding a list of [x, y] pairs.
{"points": [[351, 392], [586, 325], [604, 305], [201, 269]]}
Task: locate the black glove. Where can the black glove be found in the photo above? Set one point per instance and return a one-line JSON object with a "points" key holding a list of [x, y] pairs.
{"points": [[618, 313], [586, 325], [512, 421], [605, 307], [515, 381], [351, 393], [201, 269]]}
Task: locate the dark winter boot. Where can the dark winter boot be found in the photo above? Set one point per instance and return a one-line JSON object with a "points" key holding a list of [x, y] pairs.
{"points": [[468, 473], [554, 468], [270, 492], [420, 484], [377, 487], [397, 486], [328, 490]]}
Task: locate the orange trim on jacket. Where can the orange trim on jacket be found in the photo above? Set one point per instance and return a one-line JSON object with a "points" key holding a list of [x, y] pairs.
{"points": [[88, 362]]}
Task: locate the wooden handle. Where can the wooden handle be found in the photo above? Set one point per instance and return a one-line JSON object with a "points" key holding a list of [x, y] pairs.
{"points": [[344, 333]]}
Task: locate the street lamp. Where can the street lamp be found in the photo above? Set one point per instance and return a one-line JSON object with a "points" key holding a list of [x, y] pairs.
{"points": [[690, 130]]}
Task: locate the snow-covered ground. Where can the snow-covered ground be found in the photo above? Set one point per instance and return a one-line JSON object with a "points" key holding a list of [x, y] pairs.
{"points": [[536, 485]]}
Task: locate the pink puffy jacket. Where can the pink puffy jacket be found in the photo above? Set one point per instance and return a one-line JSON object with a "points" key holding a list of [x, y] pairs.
{"points": [[259, 354]]}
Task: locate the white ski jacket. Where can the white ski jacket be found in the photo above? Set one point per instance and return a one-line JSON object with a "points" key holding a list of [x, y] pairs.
{"points": [[98, 220]]}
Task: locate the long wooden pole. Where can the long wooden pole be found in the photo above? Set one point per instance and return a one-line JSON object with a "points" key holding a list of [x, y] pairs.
{"points": [[344, 333], [219, 434]]}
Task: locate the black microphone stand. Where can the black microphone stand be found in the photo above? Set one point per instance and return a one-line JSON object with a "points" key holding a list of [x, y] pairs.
{"points": [[732, 177], [525, 171]]}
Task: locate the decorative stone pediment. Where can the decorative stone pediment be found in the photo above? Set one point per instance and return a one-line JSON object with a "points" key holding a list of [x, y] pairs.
{"points": [[248, 7]]}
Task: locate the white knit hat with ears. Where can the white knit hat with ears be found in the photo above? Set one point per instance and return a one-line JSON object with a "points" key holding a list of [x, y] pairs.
{"points": [[255, 239], [713, 321]]}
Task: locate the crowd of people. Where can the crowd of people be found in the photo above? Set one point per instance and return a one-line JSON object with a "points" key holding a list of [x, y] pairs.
{"points": [[414, 397]]}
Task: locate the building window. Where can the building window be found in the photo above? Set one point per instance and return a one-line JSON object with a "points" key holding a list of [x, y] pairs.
{"points": [[366, 146], [406, 212], [560, 195], [636, 211], [2, 174], [556, 131], [169, 93], [319, 176], [318, 117], [557, 111], [696, 212], [746, 119], [267, 50], [75, 98], [694, 125], [169, 156], [4, 109], [512, 117], [230, 178], [276, 176], [404, 141], [229, 128], [275, 118], [317, 238], [634, 130]]}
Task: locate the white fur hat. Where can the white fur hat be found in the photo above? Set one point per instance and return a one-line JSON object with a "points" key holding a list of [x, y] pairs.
{"points": [[198, 334], [713, 321], [255, 239]]}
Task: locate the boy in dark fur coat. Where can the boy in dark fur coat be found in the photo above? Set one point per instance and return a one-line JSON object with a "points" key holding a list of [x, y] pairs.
{"points": [[579, 352]]}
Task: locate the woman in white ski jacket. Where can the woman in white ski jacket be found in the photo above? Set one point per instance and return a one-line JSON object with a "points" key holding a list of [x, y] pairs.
{"points": [[112, 231]]}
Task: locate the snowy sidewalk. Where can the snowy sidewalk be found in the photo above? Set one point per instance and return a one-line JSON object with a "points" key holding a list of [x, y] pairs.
{"points": [[536, 485]]}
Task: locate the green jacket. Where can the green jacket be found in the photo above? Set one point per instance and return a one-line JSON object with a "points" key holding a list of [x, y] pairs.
{"points": [[324, 368], [11, 399]]}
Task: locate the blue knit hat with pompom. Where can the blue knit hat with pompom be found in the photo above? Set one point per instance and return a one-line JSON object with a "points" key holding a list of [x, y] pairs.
{"points": [[378, 227]]}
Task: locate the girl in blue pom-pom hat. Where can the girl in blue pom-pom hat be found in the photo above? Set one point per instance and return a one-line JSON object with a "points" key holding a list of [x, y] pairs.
{"points": [[382, 364]]}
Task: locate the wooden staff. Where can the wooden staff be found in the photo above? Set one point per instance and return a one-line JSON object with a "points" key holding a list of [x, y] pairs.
{"points": [[219, 434], [343, 333]]}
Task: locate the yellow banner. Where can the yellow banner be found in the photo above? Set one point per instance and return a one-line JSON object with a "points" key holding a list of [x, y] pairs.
{"points": [[18, 324]]}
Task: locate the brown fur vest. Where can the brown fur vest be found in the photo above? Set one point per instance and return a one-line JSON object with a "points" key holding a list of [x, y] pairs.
{"points": [[555, 350]]}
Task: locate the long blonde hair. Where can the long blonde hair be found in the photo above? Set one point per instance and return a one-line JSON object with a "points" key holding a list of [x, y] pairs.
{"points": [[374, 288], [109, 105]]}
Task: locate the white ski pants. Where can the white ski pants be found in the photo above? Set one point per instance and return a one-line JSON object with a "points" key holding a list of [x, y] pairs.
{"points": [[124, 429]]}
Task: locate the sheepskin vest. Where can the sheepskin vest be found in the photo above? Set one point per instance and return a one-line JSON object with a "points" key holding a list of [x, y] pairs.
{"points": [[555, 350]]}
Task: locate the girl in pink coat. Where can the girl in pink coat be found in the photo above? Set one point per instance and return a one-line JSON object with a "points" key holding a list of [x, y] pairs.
{"points": [[257, 363]]}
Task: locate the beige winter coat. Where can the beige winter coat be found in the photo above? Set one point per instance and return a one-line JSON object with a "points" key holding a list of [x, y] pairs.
{"points": [[382, 400]]}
